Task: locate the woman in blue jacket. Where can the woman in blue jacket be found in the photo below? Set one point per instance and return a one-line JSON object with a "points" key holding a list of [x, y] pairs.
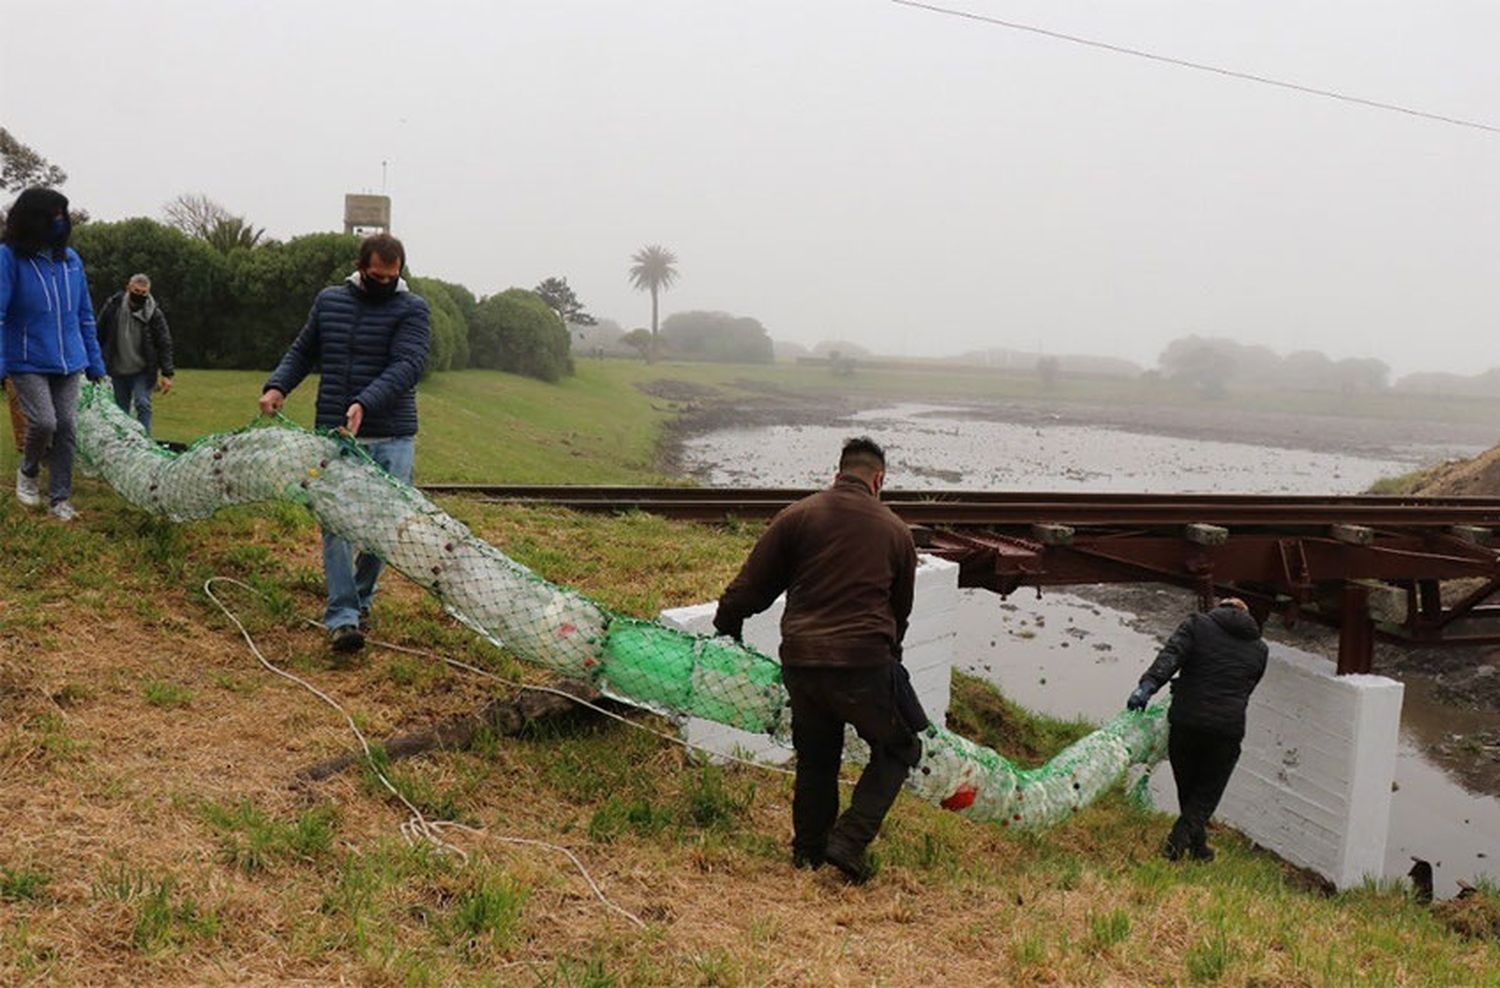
{"points": [[47, 340]]}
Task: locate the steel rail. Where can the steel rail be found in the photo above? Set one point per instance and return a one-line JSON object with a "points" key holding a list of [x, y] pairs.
{"points": [[1019, 509], [630, 494]]}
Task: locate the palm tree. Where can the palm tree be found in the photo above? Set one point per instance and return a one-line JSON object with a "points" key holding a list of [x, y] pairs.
{"points": [[653, 271], [232, 232]]}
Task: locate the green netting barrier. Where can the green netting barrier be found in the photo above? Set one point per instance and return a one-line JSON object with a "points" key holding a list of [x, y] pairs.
{"points": [[638, 662]]}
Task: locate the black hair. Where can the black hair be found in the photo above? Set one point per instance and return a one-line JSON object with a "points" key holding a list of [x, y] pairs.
{"points": [[387, 247], [861, 453], [28, 225]]}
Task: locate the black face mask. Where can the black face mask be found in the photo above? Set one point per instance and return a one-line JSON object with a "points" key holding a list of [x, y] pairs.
{"points": [[57, 234], [377, 289], [137, 301]]}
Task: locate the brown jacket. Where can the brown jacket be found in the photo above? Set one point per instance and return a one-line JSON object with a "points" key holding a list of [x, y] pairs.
{"points": [[848, 567]]}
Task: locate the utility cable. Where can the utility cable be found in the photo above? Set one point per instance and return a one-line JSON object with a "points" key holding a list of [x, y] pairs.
{"points": [[1199, 66]]}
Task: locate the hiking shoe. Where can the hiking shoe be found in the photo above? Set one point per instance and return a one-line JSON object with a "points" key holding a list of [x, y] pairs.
{"points": [[63, 511], [346, 638], [807, 860], [855, 867], [27, 490]]}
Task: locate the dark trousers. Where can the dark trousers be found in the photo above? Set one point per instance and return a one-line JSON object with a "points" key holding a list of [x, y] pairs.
{"points": [[823, 701], [1202, 762]]}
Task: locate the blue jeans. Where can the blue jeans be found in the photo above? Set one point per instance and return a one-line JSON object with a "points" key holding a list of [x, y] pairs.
{"points": [[351, 580], [135, 387], [49, 401]]}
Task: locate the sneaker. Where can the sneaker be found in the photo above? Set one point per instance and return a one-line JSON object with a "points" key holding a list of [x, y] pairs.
{"points": [[346, 638], [27, 491], [63, 511]]}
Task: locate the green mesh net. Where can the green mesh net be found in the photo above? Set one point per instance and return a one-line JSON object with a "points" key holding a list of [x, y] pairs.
{"points": [[634, 661]]}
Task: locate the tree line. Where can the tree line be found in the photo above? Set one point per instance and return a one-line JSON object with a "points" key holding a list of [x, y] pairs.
{"points": [[235, 299], [1214, 365]]}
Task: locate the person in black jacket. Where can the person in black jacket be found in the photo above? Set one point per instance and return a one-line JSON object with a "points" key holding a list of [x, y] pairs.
{"points": [[848, 567], [369, 336], [137, 347], [1218, 658]]}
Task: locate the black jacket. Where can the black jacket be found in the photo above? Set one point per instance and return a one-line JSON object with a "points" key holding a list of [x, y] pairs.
{"points": [[369, 351], [848, 567], [1218, 659], [157, 342]]}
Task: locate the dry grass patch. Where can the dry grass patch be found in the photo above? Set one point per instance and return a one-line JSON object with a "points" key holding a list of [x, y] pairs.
{"points": [[168, 842]]}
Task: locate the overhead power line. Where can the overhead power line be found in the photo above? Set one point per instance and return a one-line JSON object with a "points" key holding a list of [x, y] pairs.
{"points": [[1200, 66]]}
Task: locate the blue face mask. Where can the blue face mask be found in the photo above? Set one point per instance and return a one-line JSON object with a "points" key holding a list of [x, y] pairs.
{"points": [[59, 231]]}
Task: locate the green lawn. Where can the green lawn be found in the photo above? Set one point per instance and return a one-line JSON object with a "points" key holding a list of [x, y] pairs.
{"points": [[594, 427]]}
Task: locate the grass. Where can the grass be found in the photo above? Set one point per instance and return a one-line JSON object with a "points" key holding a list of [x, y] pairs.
{"points": [[177, 843], [22, 885], [1406, 483], [253, 840], [167, 919], [482, 426], [166, 695]]}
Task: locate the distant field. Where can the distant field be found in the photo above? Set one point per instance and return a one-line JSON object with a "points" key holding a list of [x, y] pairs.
{"points": [[599, 426]]}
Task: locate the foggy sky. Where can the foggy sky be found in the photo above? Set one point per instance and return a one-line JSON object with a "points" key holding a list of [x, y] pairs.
{"points": [[835, 168]]}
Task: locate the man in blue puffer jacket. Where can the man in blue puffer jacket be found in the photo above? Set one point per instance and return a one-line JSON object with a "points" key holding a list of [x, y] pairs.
{"points": [[369, 338], [47, 340]]}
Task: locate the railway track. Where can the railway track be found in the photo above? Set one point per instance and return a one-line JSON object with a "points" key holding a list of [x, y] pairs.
{"points": [[1367, 564], [1010, 509]]}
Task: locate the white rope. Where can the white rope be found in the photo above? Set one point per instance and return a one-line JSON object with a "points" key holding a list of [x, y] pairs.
{"points": [[416, 827], [521, 684]]}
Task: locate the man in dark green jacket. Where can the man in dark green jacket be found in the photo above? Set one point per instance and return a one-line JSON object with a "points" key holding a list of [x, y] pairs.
{"points": [[848, 567], [137, 347]]}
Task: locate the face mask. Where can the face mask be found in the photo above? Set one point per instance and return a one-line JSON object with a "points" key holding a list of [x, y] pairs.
{"points": [[58, 233], [137, 301], [377, 289]]}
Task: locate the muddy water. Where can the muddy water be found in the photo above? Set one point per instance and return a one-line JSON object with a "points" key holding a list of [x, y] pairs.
{"points": [[928, 449], [1067, 656]]}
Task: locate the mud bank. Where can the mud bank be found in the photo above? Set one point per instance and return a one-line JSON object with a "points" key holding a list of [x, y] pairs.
{"points": [[703, 410]]}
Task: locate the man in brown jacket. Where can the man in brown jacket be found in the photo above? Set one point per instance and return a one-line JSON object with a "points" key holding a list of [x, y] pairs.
{"points": [[848, 567]]}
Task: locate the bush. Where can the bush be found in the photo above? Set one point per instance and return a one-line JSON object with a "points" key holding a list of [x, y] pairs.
{"points": [[717, 336], [450, 331], [191, 281], [238, 310], [241, 309], [515, 331]]}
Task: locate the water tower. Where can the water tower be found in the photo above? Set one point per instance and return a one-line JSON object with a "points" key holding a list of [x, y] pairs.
{"points": [[365, 214]]}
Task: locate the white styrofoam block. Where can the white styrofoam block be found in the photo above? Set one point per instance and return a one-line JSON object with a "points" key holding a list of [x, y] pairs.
{"points": [[928, 654], [1314, 779]]}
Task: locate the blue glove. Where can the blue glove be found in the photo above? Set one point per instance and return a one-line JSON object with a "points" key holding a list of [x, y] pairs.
{"points": [[1139, 698]]}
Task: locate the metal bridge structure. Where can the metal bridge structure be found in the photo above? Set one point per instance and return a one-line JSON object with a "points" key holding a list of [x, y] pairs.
{"points": [[1415, 570]]}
